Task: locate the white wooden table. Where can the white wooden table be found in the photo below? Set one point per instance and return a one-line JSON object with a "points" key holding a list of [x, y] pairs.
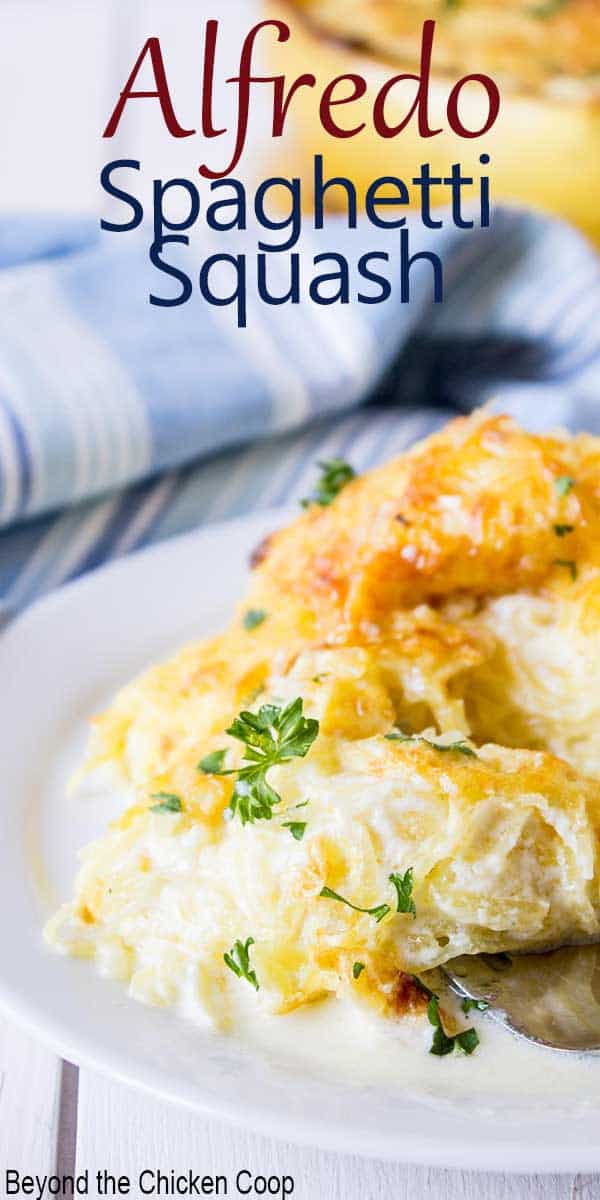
{"points": [[52, 1117]]}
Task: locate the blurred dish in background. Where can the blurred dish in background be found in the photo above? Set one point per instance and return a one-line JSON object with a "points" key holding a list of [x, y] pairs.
{"points": [[543, 54]]}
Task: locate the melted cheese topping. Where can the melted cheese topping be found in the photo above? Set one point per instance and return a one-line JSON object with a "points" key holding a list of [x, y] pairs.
{"points": [[427, 596]]}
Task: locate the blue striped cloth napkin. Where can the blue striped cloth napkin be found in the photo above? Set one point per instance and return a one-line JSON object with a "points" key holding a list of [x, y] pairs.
{"points": [[123, 423]]}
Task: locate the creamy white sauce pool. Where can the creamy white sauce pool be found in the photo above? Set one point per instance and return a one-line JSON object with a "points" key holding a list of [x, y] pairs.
{"points": [[331, 1040], [336, 1040]]}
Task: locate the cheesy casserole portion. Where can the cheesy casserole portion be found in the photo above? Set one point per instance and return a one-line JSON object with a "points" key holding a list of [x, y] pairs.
{"points": [[440, 620]]}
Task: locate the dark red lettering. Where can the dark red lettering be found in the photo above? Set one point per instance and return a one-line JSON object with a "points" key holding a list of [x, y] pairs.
{"points": [[151, 47], [359, 87], [493, 106], [244, 81], [421, 101]]}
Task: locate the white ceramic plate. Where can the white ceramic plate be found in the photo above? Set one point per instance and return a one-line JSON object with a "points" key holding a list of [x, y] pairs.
{"points": [[58, 664]]}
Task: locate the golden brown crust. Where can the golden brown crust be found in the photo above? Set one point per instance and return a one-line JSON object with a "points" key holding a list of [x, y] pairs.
{"points": [[409, 996], [376, 620], [473, 509]]}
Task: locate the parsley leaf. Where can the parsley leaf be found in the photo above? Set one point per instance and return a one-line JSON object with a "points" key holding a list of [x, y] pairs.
{"points": [[562, 530], [254, 617], [404, 885], [468, 1040], [335, 474], [569, 564], [275, 734], [460, 745], [442, 1043], [379, 911], [253, 799], [271, 736], [433, 1010], [357, 969], [564, 484], [296, 829], [168, 802], [213, 763], [238, 961], [479, 1005], [404, 901], [548, 8]]}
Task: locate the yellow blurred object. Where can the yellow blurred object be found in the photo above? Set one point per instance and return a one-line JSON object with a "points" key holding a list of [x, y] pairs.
{"points": [[545, 58]]}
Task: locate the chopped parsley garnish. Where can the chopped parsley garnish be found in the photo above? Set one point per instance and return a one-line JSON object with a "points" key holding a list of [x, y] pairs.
{"points": [[564, 484], [379, 911], [296, 829], [357, 969], [548, 8], [254, 617], [168, 802], [271, 736], [238, 961], [568, 564], [405, 904], [479, 1005], [563, 530], [442, 1043], [335, 474], [460, 745], [213, 763], [468, 1040], [404, 885]]}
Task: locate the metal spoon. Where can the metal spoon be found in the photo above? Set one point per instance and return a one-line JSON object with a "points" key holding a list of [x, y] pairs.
{"points": [[552, 999]]}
